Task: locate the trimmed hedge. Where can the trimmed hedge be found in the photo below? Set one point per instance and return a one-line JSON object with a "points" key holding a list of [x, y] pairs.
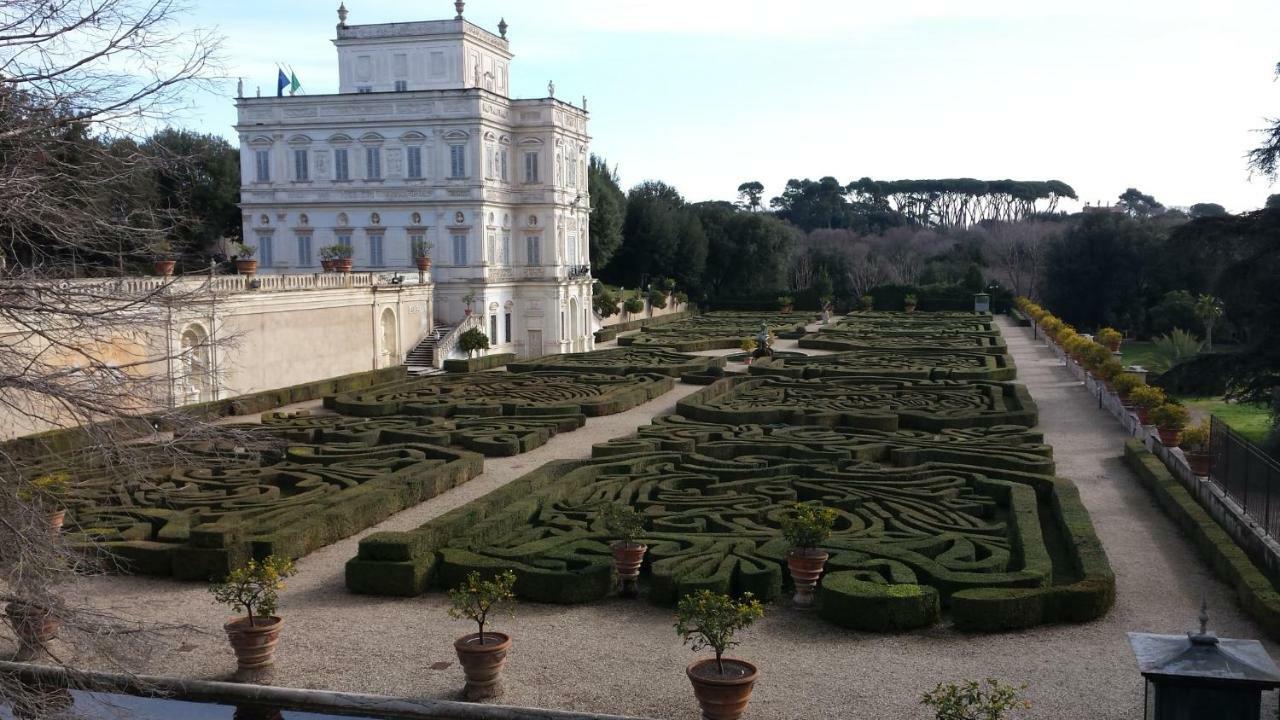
{"points": [[622, 361], [478, 364], [605, 334], [1255, 592], [910, 364], [876, 607]]}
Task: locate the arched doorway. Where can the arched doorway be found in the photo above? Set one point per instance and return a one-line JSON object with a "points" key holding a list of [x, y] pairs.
{"points": [[194, 383], [389, 353]]}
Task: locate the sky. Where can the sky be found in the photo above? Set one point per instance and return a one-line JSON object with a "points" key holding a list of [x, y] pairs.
{"points": [[1163, 95]]}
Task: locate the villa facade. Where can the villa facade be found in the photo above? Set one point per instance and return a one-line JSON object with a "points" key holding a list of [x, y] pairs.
{"points": [[424, 144]]}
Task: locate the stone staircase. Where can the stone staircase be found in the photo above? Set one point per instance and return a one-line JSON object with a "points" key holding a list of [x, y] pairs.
{"points": [[421, 359]]}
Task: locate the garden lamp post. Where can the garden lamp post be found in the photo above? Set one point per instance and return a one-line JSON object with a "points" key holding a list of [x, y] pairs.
{"points": [[1199, 675], [981, 303]]}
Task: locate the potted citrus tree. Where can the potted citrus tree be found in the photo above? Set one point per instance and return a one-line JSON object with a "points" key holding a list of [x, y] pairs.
{"points": [[624, 524], [342, 254], [422, 254], [806, 526], [1144, 399], [1110, 338], [48, 493], [473, 341], [1125, 383], [254, 590], [786, 303], [327, 256], [469, 299], [245, 264], [867, 302], [164, 262], [710, 620], [1169, 420], [748, 346], [482, 654], [1195, 447], [909, 303]]}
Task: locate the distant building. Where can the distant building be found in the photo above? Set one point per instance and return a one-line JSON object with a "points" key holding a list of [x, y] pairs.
{"points": [[423, 142]]}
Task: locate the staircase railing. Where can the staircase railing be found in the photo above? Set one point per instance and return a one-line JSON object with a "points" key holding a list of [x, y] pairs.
{"points": [[448, 343]]}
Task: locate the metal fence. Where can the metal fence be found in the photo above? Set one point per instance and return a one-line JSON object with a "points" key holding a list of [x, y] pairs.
{"points": [[1247, 475]]}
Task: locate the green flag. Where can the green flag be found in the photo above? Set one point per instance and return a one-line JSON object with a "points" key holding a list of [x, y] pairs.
{"points": [[294, 85]]}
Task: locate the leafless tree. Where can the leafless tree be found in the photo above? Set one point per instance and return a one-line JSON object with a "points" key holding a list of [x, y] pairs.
{"points": [[905, 251], [1017, 251], [78, 79]]}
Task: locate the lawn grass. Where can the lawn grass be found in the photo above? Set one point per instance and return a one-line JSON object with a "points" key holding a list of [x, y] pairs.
{"points": [[1134, 352], [1251, 420]]}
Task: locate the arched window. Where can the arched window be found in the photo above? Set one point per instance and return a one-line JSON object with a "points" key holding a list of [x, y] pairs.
{"points": [[389, 353]]}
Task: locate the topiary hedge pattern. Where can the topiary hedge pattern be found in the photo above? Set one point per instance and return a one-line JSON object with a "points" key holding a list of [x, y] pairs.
{"points": [[915, 364], [922, 518], [622, 361], [717, 330], [867, 402]]}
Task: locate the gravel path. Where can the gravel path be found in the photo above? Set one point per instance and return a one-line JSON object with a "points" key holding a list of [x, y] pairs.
{"points": [[624, 657]]}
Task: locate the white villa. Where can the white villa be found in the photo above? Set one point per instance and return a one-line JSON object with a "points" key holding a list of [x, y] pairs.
{"points": [[423, 142]]}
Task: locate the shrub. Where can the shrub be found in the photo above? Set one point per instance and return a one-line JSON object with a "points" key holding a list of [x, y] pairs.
{"points": [[340, 251], [747, 345], [1173, 348], [622, 522], [241, 250], [806, 525], [633, 304], [421, 248], [909, 300], [476, 598], [472, 341], [709, 620], [1170, 416], [876, 607], [974, 701], [49, 489], [1126, 383], [682, 297], [668, 285], [1146, 397], [786, 302], [605, 303], [255, 588], [867, 302], [1196, 437], [1109, 371], [657, 299], [1109, 336]]}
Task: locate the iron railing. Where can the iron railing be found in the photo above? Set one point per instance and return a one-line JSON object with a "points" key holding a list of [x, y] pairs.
{"points": [[1247, 475]]}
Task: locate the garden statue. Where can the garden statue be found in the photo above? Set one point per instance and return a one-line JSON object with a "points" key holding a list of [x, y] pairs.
{"points": [[762, 343]]}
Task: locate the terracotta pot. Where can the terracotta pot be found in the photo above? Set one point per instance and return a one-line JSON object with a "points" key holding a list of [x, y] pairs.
{"points": [[342, 265], [627, 560], [424, 263], [482, 663], [326, 265], [56, 518], [34, 625], [1169, 436], [164, 268], [806, 567], [247, 267], [255, 645], [722, 697], [1114, 346], [749, 359], [1201, 462], [910, 308], [1143, 415]]}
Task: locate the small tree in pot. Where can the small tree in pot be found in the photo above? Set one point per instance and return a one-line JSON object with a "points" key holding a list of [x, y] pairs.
{"points": [[164, 261], [482, 655], [1195, 446], [473, 341], [633, 305], [709, 620], [1144, 399], [422, 254], [1169, 420], [748, 346], [909, 303], [972, 701], [327, 256], [625, 525], [786, 303], [1110, 338], [868, 302], [245, 264], [342, 254], [254, 590], [1125, 383], [806, 526], [49, 493]]}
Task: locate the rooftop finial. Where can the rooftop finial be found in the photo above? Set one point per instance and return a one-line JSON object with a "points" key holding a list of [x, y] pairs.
{"points": [[459, 5], [342, 14], [1204, 615], [502, 28]]}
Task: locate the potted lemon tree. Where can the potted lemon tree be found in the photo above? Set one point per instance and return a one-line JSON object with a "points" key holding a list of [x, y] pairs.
{"points": [[1169, 420], [254, 590], [909, 303], [710, 620], [245, 264], [748, 346], [48, 494], [1144, 399], [806, 526], [482, 654], [422, 254], [1110, 338], [624, 524], [1195, 447]]}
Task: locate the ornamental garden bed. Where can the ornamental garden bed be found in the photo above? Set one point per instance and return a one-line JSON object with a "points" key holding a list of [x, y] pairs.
{"points": [[970, 521], [623, 361], [718, 330], [915, 364]]}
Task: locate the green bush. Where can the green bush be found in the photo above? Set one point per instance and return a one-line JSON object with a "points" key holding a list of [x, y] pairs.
{"points": [[473, 341], [657, 299], [847, 601]]}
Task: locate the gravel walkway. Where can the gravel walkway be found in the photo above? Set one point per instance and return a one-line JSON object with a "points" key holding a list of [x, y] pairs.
{"points": [[624, 657]]}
